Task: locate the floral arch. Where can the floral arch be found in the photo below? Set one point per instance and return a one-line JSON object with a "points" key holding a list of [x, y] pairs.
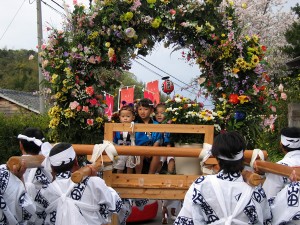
{"points": [[110, 33]]}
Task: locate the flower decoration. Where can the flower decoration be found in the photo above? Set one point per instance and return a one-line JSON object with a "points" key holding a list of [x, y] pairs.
{"points": [[111, 32], [182, 110]]}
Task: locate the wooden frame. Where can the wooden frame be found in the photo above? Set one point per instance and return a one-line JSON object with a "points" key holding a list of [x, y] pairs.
{"points": [[153, 186]]}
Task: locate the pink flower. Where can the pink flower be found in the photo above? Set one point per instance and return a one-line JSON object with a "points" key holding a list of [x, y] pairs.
{"points": [[92, 60], [172, 11], [89, 90], [78, 108], [74, 2], [43, 47], [283, 96], [90, 122], [273, 108], [85, 109], [93, 102], [74, 105]]}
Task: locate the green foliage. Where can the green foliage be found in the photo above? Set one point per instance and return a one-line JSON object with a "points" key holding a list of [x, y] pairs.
{"points": [[10, 127], [292, 35], [17, 72]]}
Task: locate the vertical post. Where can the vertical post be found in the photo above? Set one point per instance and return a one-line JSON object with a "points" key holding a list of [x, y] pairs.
{"points": [[40, 42]]}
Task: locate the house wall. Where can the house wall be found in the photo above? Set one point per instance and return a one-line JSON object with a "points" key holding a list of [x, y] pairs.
{"points": [[8, 108]]}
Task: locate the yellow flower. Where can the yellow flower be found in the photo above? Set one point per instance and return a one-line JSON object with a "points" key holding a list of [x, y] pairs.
{"points": [[69, 113], [139, 45], [156, 23], [243, 99], [223, 35], [244, 5], [111, 52], [151, 1], [54, 78], [55, 110], [54, 123], [255, 38], [128, 16], [199, 29], [247, 38], [99, 120], [107, 44], [93, 35], [254, 60], [57, 95], [231, 3]]}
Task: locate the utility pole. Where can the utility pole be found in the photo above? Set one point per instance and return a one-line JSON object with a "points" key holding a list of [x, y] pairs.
{"points": [[40, 42]]}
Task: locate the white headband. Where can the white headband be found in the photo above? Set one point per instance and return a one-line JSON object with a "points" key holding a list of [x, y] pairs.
{"points": [[238, 156], [63, 157], [293, 143], [36, 141]]}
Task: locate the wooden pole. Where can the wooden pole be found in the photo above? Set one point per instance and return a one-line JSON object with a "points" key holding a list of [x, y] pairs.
{"points": [[31, 161]]}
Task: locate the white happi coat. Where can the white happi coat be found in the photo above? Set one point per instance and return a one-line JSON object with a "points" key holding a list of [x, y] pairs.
{"points": [[35, 179], [16, 207], [93, 201], [223, 199], [286, 205], [274, 183]]}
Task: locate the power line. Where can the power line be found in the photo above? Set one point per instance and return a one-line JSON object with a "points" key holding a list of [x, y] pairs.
{"points": [[57, 4], [163, 71], [62, 14], [159, 74], [12, 20]]}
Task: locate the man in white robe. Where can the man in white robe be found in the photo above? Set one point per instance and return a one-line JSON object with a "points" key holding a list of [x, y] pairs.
{"points": [[290, 142], [225, 198], [64, 202], [286, 205], [31, 142], [16, 207]]}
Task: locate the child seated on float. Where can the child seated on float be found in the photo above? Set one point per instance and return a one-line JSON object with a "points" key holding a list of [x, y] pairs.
{"points": [[165, 141], [145, 109], [126, 115]]}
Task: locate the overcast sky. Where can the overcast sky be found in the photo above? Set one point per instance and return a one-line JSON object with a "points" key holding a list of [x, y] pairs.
{"points": [[18, 30]]}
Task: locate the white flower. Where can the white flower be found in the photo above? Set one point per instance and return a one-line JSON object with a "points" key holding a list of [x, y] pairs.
{"points": [[130, 32], [178, 100], [280, 88], [31, 57]]}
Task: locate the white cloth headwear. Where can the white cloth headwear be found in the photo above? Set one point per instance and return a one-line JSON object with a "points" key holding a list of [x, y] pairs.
{"points": [[36, 141], [59, 159], [238, 156], [289, 142], [205, 153]]}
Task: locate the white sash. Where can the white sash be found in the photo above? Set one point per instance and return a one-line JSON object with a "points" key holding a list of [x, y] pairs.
{"points": [[244, 199], [67, 209], [6, 211]]}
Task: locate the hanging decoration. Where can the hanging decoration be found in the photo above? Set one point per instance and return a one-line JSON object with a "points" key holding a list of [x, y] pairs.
{"points": [[167, 86]]}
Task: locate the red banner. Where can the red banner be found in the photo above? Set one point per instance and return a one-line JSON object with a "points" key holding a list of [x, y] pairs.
{"points": [[127, 95], [110, 105], [153, 88], [149, 95]]}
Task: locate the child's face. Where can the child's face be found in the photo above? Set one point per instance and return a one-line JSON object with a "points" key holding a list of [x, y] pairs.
{"points": [[144, 112], [126, 116], [159, 114]]}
